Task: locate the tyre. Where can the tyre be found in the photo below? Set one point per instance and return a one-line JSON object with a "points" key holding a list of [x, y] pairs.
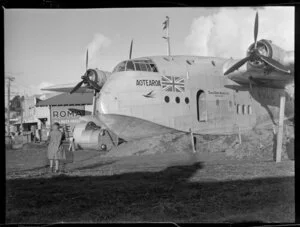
{"points": [[103, 147]]}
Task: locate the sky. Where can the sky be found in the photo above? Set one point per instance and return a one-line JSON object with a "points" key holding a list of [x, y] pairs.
{"points": [[44, 47]]}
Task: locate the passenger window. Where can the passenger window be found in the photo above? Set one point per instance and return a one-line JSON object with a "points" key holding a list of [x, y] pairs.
{"points": [[187, 100], [244, 109], [249, 109], [238, 109], [167, 99], [130, 66]]}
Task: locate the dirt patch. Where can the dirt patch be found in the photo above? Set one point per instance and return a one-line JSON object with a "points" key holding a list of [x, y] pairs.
{"points": [[260, 144], [168, 143]]}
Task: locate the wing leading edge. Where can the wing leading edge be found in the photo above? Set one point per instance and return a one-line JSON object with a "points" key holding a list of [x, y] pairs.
{"points": [[66, 88]]}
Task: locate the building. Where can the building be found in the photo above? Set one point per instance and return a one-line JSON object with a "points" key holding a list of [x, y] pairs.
{"points": [[30, 114], [66, 109]]}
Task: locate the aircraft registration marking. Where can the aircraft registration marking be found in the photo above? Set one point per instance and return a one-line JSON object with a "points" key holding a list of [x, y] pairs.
{"points": [[148, 83]]}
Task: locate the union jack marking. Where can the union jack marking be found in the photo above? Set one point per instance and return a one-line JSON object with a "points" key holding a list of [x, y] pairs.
{"points": [[172, 83]]}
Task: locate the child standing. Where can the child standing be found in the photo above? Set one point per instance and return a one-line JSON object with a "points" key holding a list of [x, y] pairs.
{"points": [[56, 151]]}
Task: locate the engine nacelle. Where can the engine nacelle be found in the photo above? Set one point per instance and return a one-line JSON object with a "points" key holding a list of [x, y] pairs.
{"points": [[268, 49], [87, 135], [98, 76]]}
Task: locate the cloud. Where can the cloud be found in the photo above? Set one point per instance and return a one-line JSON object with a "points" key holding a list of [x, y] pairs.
{"points": [[98, 43], [36, 89], [229, 32], [44, 84]]}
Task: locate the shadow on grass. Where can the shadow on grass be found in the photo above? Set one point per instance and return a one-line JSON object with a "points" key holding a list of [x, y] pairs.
{"points": [[96, 165], [168, 195]]}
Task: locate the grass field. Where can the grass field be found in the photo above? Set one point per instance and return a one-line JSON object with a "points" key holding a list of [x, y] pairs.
{"points": [[177, 187]]}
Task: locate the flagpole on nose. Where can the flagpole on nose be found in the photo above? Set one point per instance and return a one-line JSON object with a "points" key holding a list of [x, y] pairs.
{"points": [[166, 26], [169, 50]]}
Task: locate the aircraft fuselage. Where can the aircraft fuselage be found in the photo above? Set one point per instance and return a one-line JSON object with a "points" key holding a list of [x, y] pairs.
{"points": [[184, 93]]}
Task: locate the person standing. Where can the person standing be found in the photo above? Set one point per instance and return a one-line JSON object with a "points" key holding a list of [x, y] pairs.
{"points": [[32, 133], [39, 131], [56, 152]]}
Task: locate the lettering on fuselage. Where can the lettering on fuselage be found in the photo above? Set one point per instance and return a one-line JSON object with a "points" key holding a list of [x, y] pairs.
{"points": [[148, 83], [218, 93]]}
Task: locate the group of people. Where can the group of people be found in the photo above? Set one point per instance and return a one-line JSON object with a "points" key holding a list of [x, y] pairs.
{"points": [[57, 154]]}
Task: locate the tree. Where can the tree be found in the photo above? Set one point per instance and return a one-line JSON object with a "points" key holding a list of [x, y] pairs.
{"points": [[16, 103]]}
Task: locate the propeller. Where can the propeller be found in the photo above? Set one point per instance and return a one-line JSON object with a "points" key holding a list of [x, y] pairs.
{"points": [[255, 55], [85, 78], [130, 51], [274, 64], [87, 60], [255, 30]]}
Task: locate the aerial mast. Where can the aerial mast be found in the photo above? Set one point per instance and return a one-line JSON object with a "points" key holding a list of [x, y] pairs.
{"points": [[166, 24]]}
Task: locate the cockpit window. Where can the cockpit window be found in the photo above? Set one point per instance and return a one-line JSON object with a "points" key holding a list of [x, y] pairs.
{"points": [[136, 65], [153, 68], [143, 67], [130, 66], [148, 68], [120, 67]]}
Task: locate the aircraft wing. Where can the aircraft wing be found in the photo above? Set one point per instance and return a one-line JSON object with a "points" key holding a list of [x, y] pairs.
{"points": [[67, 88], [80, 112], [258, 76]]}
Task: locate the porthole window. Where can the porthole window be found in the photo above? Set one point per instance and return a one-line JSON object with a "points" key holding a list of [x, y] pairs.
{"points": [[217, 102], [249, 109], [244, 109], [187, 100], [238, 109], [177, 99], [167, 99]]}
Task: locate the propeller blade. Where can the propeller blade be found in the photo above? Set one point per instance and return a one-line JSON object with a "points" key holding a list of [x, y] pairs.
{"points": [[255, 29], [87, 59], [276, 65], [94, 85], [130, 51], [76, 87], [237, 65]]}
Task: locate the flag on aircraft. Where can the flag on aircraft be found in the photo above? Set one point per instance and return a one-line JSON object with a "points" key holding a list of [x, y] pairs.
{"points": [[166, 23], [171, 83]]}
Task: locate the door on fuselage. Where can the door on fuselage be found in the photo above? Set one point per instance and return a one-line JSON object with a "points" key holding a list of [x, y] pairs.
{"points": [[201, 106]]}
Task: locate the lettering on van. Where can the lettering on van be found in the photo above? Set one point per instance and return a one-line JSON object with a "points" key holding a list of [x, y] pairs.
{"points": [[148, 83]]}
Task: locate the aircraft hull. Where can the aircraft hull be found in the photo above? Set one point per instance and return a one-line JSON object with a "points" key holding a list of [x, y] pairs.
{"points": [[132, 128]]}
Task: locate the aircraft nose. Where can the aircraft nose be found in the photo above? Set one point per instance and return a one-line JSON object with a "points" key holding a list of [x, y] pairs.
{"points": [[108, 101]]}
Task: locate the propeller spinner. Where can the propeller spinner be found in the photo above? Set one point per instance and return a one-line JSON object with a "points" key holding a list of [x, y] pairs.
{"points": [[86, 79], [254, 54]]}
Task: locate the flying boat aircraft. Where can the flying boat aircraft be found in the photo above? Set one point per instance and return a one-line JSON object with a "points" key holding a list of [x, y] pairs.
{"points": [[150, 96]]}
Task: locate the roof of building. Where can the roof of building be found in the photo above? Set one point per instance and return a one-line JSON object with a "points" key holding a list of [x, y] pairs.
{"points": [[68, 99]]}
